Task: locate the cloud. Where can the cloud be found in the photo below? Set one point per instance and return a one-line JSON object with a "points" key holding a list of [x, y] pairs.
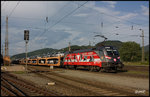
{"points": [[145, 10], [110, 3], [81, 15], [33, 9], [128, 16], [77, 28]]}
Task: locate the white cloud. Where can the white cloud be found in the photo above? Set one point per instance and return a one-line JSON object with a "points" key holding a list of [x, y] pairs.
{"points": [[128, 16], [111, 3], [77, 30], [145, 10], [81, 15], [33, 9]]}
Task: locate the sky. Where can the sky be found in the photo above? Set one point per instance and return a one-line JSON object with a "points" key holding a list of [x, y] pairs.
{"points": [[53, 24]]}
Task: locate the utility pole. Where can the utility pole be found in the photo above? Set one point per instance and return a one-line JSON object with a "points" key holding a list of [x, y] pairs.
{"points": [[6, 38], [6, 56], [142, 44], [26, 38]]}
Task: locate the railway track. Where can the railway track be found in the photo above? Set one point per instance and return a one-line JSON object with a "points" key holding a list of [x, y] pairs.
{"points": [[11, 85], [84, 86]]}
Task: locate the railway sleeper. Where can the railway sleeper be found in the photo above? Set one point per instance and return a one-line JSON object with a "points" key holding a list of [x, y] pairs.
{"points": [[14, 88], [7, 91]]}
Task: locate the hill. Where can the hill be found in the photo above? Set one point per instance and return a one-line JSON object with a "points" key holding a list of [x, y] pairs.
{"points": [[39, 52], [114, 43], [74, 47], [45, 51]]}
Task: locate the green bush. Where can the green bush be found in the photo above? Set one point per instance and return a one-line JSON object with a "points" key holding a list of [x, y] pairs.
{"points": [[130, 52]]}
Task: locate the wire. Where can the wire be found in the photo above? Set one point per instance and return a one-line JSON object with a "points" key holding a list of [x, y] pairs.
{"points": [[14, 9], [61, 19], [67, 15], [113, 16], [61, 9], [55, 21]]}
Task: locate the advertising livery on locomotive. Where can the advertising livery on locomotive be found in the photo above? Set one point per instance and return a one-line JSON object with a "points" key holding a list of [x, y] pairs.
{"points": [[104, 57]]}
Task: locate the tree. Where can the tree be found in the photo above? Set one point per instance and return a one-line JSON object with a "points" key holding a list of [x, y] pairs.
{"points": [[130, 51]]}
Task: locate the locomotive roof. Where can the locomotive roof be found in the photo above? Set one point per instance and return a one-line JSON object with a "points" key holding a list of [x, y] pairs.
{"points": [[90, 49]]}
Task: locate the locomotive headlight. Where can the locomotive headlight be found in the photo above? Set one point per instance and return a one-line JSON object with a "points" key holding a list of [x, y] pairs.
{"points": [[115, 59]]}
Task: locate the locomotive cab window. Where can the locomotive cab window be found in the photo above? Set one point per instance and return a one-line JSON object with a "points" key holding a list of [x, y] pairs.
{"points": [[111, 52]]}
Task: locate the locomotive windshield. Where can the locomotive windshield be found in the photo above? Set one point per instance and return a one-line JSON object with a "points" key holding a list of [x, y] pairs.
{"points": [[112, 52]]}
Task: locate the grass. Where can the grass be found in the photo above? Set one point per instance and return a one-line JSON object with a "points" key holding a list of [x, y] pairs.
{"points": [[136, 63]]}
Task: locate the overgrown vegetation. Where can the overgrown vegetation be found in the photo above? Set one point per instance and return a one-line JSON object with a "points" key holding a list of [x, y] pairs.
{"points": [[130, 51]]}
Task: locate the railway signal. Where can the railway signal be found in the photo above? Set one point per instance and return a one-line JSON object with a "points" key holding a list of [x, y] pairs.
{"points": [[26, 38]]}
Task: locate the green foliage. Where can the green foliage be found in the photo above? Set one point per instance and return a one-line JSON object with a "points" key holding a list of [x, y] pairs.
{"points": [[130, 51]]}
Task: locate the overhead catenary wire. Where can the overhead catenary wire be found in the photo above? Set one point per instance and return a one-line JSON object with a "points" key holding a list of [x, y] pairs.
{"points": [[60, 10], [14, 9], [113, 16], [67, 15], [47, 19], [56, 20], [60, 20]]}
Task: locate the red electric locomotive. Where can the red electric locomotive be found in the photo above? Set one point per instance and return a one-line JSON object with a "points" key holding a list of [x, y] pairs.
{"points": [[104, 57]]}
